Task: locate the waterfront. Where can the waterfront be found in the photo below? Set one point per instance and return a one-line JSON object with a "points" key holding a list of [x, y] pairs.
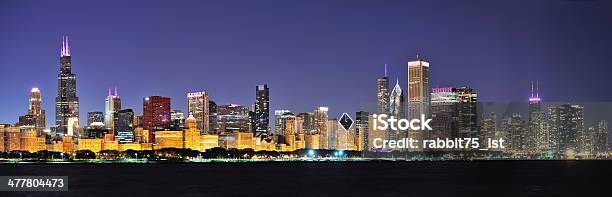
{"points": [[479, 178]]}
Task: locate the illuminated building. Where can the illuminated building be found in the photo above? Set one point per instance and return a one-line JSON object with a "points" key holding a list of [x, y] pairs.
{"points": [[332, 134], [13, 138], [278, 122], [197, 105], [66, 102], [397, 105], [124, 121], [124, 137], [515, 130], [374, 133], [585, 141], [129, 146], [110, 144], [564, 123], [208, 142], [26, 120], [305, 122], [68, 144], [537, 136], [382, 93], [96, 130], [444, 113], [156, 114], [320, 126], [232, 118], [168, 139], [94, 117], [212, 120], [141, 135], [244, 140], [262, 111], [146, 146], [601, 139], [488, 127], [73, 126], [467, 113], [192, 134], [362, 129], [418, 93], [94, 145], [2, 141], [35, 109], [111, 106], [227, 140], [312, 141], [299, 142], [177, 120], [30, 140], [288, 124]]}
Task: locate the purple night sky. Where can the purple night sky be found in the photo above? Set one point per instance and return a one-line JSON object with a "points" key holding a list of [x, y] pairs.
{"points": [[310, 53]]}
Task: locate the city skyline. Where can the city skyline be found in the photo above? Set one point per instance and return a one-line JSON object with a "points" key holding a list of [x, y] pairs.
{"points": [[282, 96]]}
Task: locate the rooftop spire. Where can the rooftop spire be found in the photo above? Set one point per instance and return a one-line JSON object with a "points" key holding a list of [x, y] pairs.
{"points": [[116, 94], [386, 70], [109, 92], [537, 89], [65, 47]]}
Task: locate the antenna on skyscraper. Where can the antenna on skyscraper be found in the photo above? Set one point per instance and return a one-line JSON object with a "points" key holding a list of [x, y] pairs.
{"points": [[116, 95], [109, 91], [386, 70], [537, 89]]}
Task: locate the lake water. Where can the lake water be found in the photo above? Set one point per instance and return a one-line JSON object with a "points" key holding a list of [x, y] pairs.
{"points": [[481, 178]]}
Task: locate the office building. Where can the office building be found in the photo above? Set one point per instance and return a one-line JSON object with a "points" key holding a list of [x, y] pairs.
{"points": [[418, 93], [262, 111], [156, 114], [111, 106], [66, 102], [444, 113], [198, 106]]}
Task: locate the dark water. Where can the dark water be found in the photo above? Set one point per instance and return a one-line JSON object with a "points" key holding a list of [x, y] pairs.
{"points": [[486, 178]]}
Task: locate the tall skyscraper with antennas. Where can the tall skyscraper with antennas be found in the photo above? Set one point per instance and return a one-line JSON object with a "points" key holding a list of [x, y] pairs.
{"points": [[538, 136], [112, 106], [66, 102]]}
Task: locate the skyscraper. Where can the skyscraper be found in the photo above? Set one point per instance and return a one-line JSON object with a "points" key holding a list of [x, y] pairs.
{"points": [[212, 117], [156, 113], [320, 126], [397, 107], [232, 118], [262, 111], [515, 130], [278, 130], [382, 93], [111, 106], [66, 102], [197, 106], [35, 109], [362, 129], [444, 113], [177, 120], [418, 93], [564, 123], [601, 139], [307, 120], [467, 113], [124, 120], [537, 137]]}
